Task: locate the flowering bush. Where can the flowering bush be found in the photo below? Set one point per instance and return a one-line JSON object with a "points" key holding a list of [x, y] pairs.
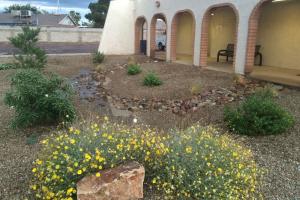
{"points": [[192, 164], [39, 99]]}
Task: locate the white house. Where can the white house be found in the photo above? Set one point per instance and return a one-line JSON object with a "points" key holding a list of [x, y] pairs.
{"points": [[198, 29]]}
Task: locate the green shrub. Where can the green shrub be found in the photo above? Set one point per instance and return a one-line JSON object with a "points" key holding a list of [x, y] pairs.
{"points": [[258, 115], [38, 99], [151, 80], [191, 164], [134, 69], [98, 57], [30, 56], [7, 66]]}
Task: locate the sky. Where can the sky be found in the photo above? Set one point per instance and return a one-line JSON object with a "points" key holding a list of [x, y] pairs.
{"points": [[80, 6]]}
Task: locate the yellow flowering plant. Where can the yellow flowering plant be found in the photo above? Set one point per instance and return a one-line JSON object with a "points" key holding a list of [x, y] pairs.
{"points": [[191, 164], [203, 165]]}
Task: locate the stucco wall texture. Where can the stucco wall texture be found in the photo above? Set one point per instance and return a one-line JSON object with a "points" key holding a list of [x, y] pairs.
{"points": [[246, 25], [51, 34]]}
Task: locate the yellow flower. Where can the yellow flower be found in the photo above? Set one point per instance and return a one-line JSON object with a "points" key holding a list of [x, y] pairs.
{"points": [[72, 141], [98, 174], [70, 191], [87, 157], [189, 150], [235, 154], [33, 187], [110, 137], [34, 170], [71, 129], [79, 172], [220, 170], [154, 181]]}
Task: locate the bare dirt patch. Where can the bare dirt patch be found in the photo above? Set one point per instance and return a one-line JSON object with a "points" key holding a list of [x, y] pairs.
{"points": [[177, 80]]}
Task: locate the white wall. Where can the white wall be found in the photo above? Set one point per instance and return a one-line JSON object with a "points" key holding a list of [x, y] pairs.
{"points": [[51, 34], [118, 34]]}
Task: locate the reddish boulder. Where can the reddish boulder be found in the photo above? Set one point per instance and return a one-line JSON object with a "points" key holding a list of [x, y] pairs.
{"points": [[121, 183]]}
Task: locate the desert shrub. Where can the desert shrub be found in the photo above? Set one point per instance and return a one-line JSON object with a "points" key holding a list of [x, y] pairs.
{"points": [[259, 114], [134, 69], [98, 57], [6, 66], [191, 164], [39, 99], [30, 55], [151, 80]]}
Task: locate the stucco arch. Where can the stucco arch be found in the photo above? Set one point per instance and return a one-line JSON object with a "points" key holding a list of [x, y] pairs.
{"points": [[173, 46], [252, 35], [153, 31], [205, 32], [139, 23]]}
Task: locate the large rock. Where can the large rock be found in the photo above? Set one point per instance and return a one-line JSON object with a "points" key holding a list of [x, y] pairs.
{"points": [[121, 183]]}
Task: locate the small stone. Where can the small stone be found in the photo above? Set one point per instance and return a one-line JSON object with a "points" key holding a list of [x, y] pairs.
{"points": [[123, 183], [195, 109], [133, 108], [278, 87]]}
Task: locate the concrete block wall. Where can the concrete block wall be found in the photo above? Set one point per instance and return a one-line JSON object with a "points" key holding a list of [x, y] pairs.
{"points": [[53, 34]]}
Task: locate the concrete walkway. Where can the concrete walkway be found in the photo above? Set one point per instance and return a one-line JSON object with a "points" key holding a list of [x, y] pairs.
{"points": [[283, 76]]}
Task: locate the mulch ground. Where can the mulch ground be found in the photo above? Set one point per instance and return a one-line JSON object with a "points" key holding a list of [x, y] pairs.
{"points": [[278, 154]]}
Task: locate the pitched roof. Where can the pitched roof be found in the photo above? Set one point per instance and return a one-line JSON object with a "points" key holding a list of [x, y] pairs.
{"points": [[50, 20]]}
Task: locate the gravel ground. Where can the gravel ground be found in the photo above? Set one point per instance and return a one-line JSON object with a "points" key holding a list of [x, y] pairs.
{"points": [[278, 154]]}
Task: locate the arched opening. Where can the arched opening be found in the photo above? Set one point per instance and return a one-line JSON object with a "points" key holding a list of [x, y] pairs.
{"points": [[158, 41], [183, 37], [218, 38], [274, 35], [141, 35]]}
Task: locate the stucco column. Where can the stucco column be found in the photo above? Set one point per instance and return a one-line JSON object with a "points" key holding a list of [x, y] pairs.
{"points": [[241, 46], [169, 35], [197, 43], [148, 37]]}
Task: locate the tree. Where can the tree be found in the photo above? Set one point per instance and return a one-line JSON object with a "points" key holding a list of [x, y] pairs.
{"points": [[86, 24], [30, 55], [22, 7], [98, 13], [75, 16]]}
